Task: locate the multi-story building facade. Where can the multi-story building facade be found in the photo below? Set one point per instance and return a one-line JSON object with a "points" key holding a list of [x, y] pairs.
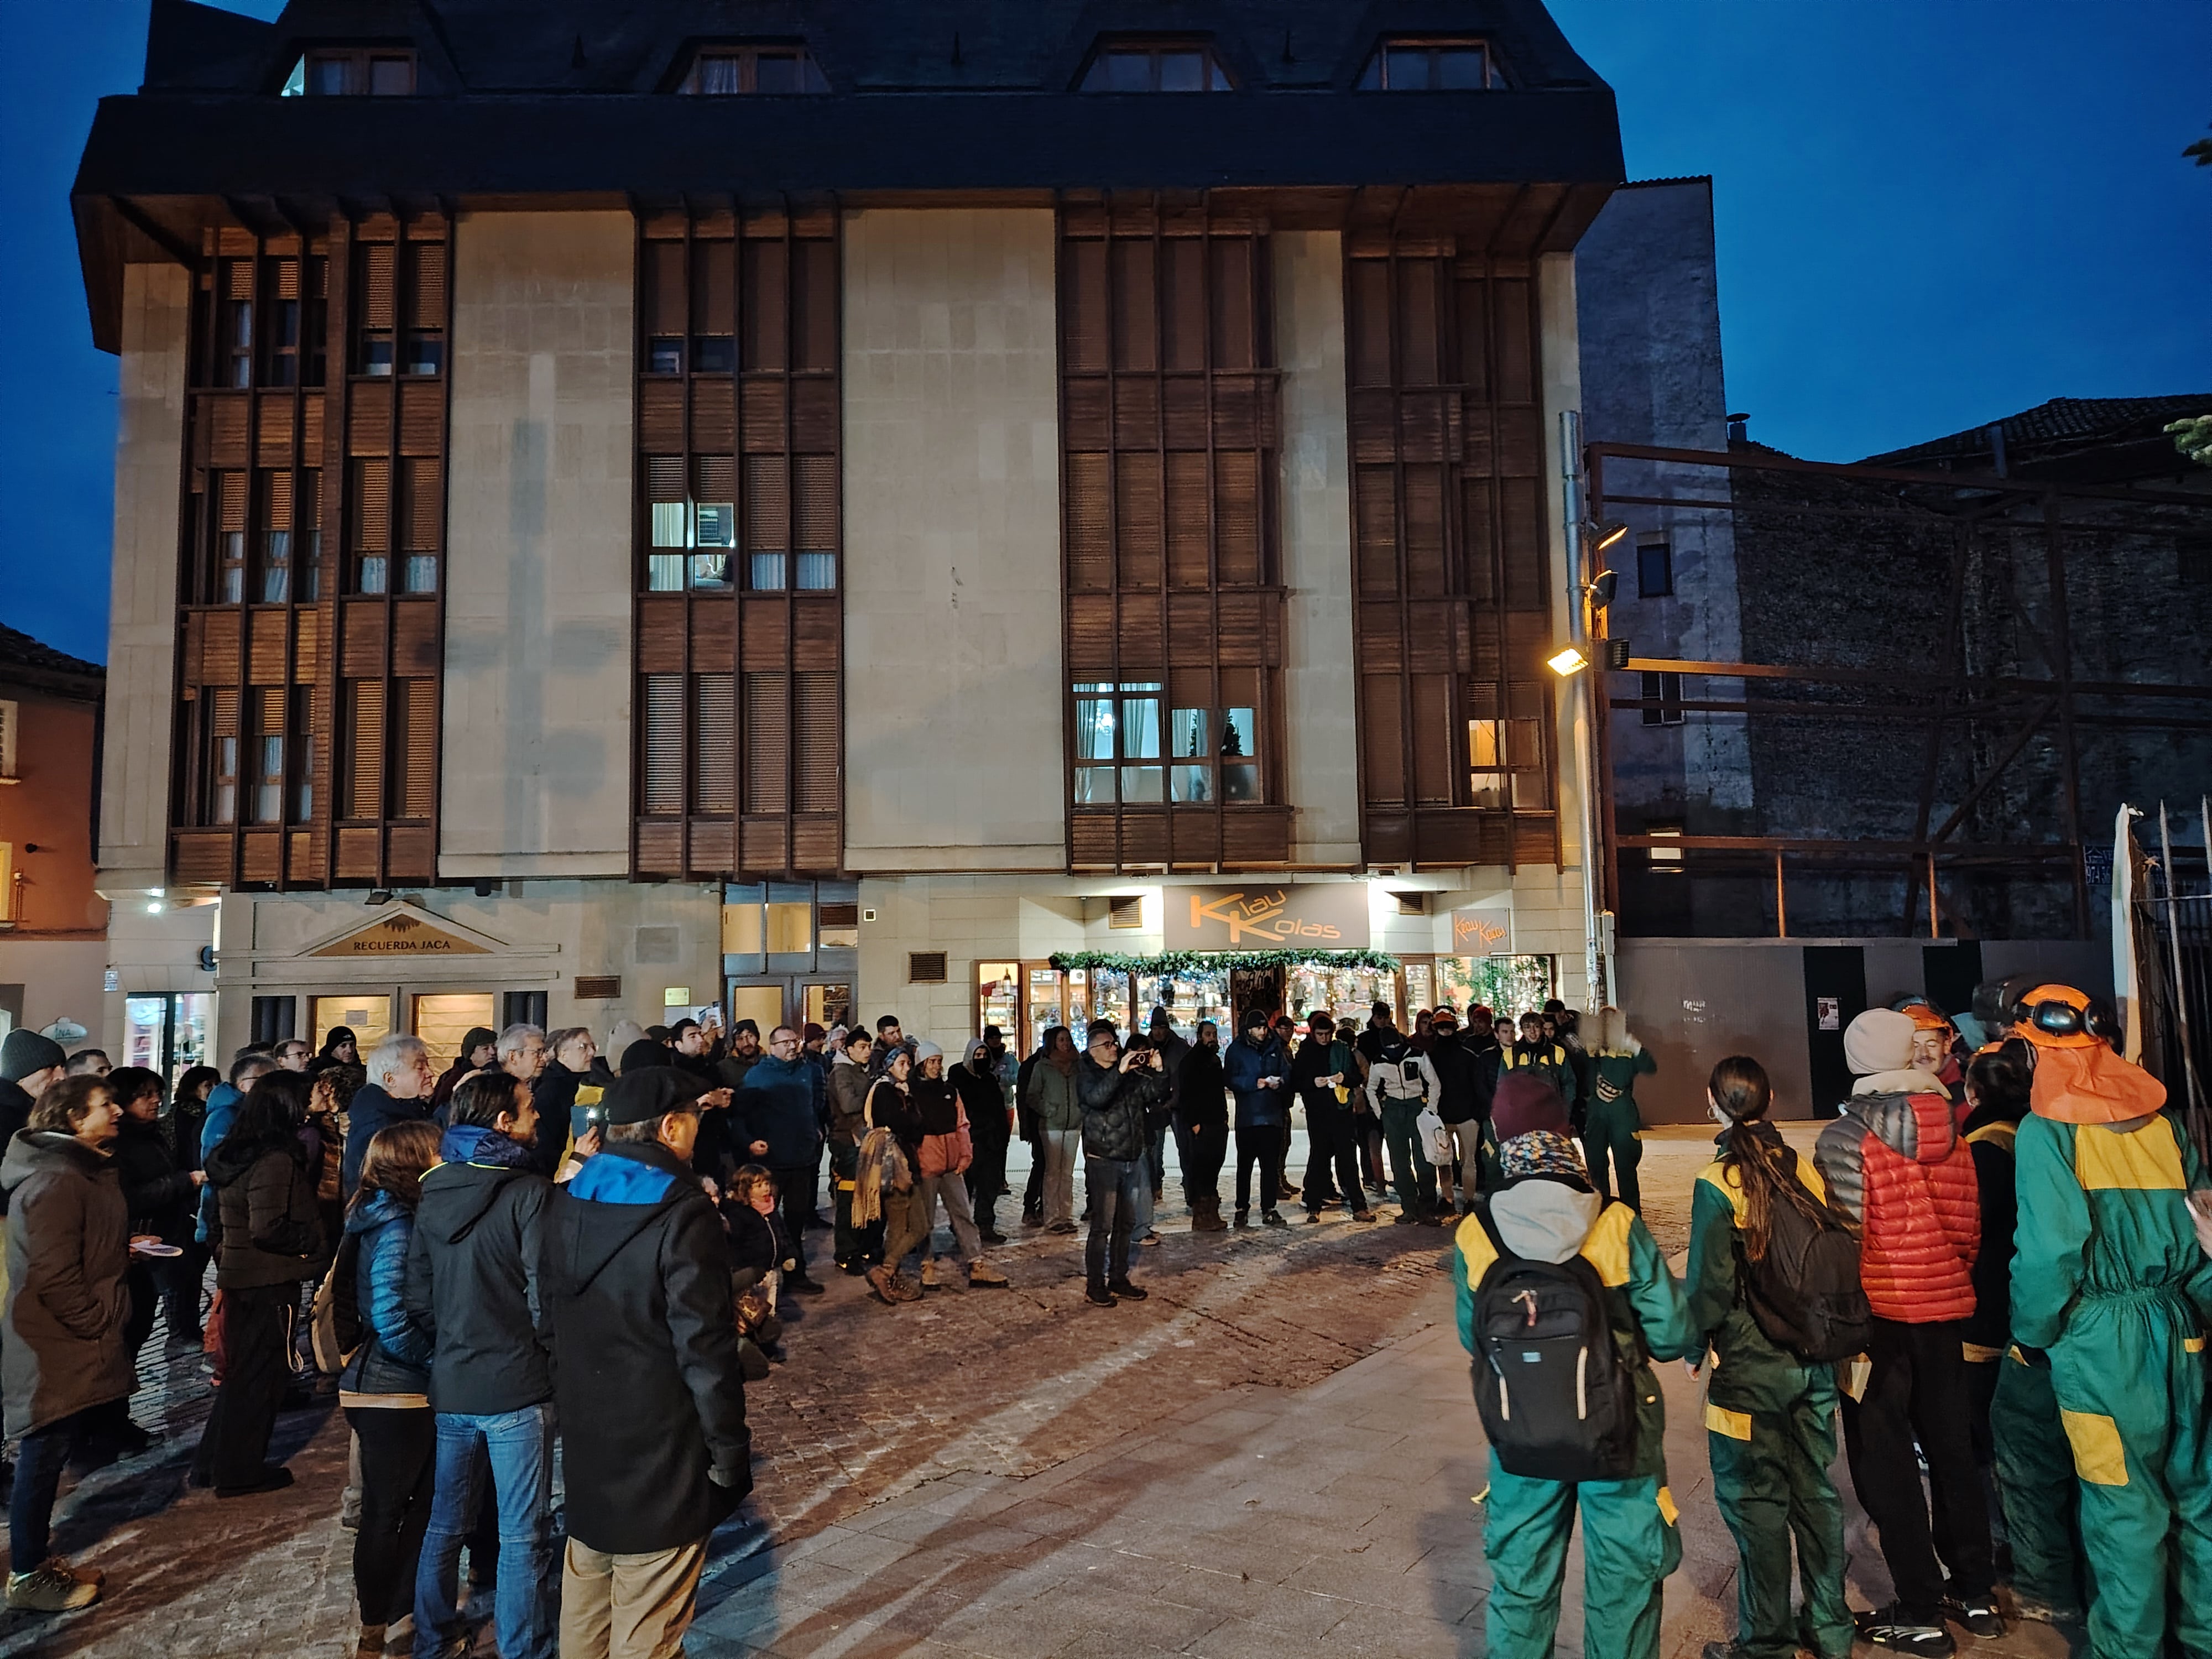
{"points": [[833, 508]]}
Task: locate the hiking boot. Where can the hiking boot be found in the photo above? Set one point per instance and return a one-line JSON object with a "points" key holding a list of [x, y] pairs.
{"points": [[1272, 1218], [370, 1644], [1363, 1215], [1098, 1296], [982, 1272], [1405, 1218], [50, 1588], [991, 1235], [929, 1280], [1206, 1216], [1893, 1628], [884, 1282], [905, 1289], [1287, 1190], [275, 1477], [1981, 1618], [1127, 1292], [1243, 1216]]}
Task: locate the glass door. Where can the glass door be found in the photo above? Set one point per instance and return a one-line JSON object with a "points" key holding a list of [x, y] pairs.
{"points": [[826, 1003], [167, 1031], [762, 1001]]}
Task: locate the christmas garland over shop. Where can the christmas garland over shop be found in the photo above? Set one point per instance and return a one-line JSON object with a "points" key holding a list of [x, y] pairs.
{"points": [[1195, 985]]}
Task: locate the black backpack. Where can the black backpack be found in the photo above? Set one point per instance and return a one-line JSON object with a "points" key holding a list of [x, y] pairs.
{"points": [[1557, 1396], [1805, 1293]]}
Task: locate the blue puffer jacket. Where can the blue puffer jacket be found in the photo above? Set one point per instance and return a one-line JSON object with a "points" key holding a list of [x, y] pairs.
{"points": [[777, 1106], [1242, 1066], [394, 1356]]}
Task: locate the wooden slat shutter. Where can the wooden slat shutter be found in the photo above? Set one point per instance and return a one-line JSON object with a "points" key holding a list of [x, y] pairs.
{"points": [[364, 797], [766, 307], [768, 738], [664, 744], [714, 743], [425, 506], [816, 503], [1435, 754], [1385, 737], [426, 284], [418, 754], [372, 494], [816, 732], [230, 498], [767, 504], [1083, 294], [1090, 539], [662, 288], [378, 288]]}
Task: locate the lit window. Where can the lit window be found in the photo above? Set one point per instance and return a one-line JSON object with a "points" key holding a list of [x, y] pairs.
{"points": [[1432, 65], [8, 718], [1215, 753], [1168, 67], [729, 71], [1654, 568], [1117, 739], [1505, 757], [352, 72]]}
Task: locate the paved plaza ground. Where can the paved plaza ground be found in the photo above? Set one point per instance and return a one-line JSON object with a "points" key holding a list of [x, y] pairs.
{"points": [[1278, 1452]]}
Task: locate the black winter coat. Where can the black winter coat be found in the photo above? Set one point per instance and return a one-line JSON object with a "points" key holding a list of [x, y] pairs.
{"points": [[472, 1281], [554, 1095], [1201, 1092], [16, 1104], [1461, 1097], [987, 1106], [1116, 1105], [160, 1197], [651, 1390], [269, 1224]]}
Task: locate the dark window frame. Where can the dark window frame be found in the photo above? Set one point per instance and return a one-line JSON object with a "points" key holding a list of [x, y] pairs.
{"points": [[355, 69], [1374, 73], [1214, 76], [1663, 588], [1662, 698], [746, 56]]}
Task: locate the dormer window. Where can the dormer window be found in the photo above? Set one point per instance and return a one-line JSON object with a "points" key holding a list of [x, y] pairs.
{"points": [[1167, 66], [1432, 65], [352, 72], [726, 71]]}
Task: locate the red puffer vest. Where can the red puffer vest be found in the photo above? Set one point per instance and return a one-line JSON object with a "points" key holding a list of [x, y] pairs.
{"points": [[1898, 1160]]}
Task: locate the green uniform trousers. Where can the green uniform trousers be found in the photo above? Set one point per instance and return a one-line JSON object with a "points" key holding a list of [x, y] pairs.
{"points": [[1771, 1480], [2036, 1486], [1629, 1545], [1609, 1136], [1410, 1172], [2130, 1389]]}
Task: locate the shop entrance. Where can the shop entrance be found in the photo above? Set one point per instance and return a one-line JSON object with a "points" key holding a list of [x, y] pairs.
{"points": [[166, 1032], [793, 999]]}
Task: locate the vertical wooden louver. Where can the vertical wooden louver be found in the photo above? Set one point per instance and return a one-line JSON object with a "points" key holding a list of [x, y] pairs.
{"points": [[739, 546], [1171, 434], [1449, 555], [311, 557]]}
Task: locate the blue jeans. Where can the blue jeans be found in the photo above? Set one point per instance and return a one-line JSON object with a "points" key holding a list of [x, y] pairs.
{"points": [[519, 1445], [39, 1460], [1115, 1188]]}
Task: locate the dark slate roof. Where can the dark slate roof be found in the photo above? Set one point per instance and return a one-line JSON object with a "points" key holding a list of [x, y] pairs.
{"points": [[26, 661], [2062, 423]]}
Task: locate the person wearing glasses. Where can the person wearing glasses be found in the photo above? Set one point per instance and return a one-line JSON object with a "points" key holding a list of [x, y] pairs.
{"points": [[1119, 1093]]}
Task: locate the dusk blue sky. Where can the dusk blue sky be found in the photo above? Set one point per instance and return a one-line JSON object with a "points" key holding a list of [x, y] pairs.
{"points": [[1930, 215]]}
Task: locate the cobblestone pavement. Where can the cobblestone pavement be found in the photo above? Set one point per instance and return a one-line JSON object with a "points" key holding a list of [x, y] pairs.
{"points": [[1275, 1452]]}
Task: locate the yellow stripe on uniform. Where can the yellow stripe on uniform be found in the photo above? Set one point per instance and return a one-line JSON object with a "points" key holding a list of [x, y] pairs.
{"points": [[2098, 1458], [2000, 1133], [1475, 1250], [1977, 1354], [2192, 1344], [2147, 1160], [1736, 1425], [1668, 1512], [1724, 1180], [1606, 1247]]}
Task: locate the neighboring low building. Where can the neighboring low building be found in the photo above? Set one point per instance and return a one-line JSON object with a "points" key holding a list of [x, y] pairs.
{"points": [[53, 923], [829, 518]]}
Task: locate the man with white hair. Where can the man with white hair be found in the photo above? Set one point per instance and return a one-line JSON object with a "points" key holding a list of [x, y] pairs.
{"points": [[397, 1091], [522, 1052]]}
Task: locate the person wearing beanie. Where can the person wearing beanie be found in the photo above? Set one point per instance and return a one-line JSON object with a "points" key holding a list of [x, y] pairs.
{"points": [[2112, 1293], [648, 1379], [1544, 1210], [1894, 1163], [28, 1063]]}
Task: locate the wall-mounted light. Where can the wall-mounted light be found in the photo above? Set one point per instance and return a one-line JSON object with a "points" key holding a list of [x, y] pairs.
{"points": [[379, 895], [1600, 588], [1603, 536], [1568, 661]]}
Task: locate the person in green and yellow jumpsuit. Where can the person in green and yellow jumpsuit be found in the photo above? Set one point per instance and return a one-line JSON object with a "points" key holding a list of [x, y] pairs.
{"points": [[1545, 1209], [1610, 1126], [2017, 1428], [1769, 1416], [2108, 1280]]}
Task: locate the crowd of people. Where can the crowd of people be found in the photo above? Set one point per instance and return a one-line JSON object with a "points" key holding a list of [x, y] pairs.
{"points": [[549, 1244]]}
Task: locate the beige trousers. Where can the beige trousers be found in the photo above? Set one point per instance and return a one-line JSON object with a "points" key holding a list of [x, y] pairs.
{"points": [[628, 1606]]}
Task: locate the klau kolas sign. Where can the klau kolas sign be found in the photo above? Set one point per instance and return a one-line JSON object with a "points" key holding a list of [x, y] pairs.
{"points": [[1322, 916]]}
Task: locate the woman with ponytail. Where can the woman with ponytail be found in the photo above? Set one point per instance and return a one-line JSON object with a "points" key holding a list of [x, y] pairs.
{"points": [[1769, 1416]]}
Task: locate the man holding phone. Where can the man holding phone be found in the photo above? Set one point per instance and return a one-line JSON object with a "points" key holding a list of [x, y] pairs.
{"points": [[1118, 1092]]}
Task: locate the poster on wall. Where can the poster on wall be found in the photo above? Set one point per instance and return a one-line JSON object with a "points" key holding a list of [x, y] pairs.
{"points": [[1482, 930], [1266, 916]]}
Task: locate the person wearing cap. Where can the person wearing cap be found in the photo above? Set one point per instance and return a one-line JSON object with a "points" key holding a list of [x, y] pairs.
{"points": [[2110, 1291], [1894, 1163], [648, 1380], [1120, 1094], [1322, 1075], [1544, 1210]]}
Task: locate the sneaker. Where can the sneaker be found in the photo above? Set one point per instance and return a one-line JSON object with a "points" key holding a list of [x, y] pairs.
{"points": [[1289, 1191], [1063, 1227], [1363, 1215], [275, 1477], [1981, 1618], [1151, 1237], [1313, 1218], [1243, 1218], [992, 1236], [1127, 1292], [1405, 1218], [50, 1588], [1892, 1627], [804, 1285], [982, 1272], [1098, 1296], [82, 1575], [1274, 1219]]}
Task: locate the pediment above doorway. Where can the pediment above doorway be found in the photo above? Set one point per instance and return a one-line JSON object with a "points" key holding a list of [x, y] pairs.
{"points": [[405, 930]]}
